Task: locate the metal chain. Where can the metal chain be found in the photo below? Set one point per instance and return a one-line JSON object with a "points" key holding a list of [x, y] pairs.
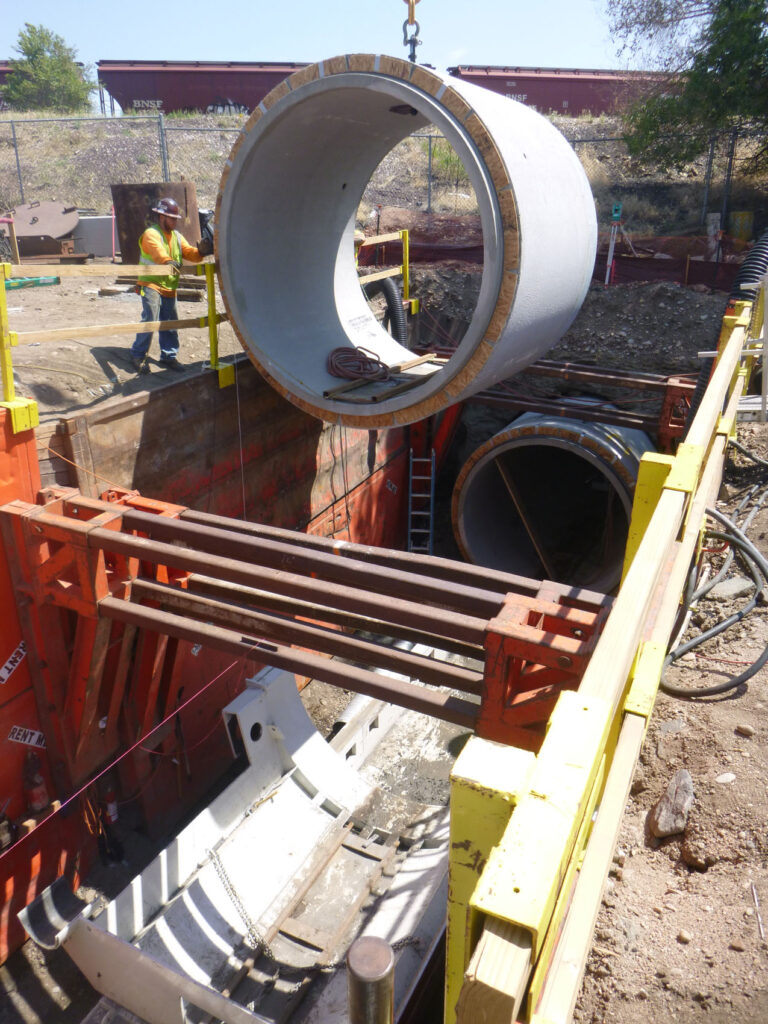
{"points": [[252, 936], [258, 942]]}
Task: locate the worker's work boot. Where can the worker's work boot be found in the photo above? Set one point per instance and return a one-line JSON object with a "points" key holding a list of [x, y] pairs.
{"points": [[172, 364], [141, 366]]}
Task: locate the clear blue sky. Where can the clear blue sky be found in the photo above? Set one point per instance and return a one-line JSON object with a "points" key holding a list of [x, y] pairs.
{"points": [[542, 33]]}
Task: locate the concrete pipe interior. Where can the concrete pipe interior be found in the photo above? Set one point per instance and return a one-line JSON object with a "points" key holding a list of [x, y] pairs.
{"points": [[286, 218], [550, 499]]}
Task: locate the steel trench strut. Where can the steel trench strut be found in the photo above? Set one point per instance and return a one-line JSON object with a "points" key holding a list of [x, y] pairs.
{"points": [[439, 621], [287, 557], [396, 691], [489, 580], [290, 608], [288, 631]]}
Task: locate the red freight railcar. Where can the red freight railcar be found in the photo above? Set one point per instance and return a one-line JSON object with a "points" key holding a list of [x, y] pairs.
{"points": [[561, 90], [166, 85], [146, 85]]}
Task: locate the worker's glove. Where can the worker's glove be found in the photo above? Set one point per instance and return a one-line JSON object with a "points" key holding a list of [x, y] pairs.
{"points": [[205, 246], [175, 264]]}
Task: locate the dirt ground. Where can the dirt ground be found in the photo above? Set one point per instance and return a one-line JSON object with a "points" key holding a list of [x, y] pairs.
{"points": [[680, 931], [74, 374]]}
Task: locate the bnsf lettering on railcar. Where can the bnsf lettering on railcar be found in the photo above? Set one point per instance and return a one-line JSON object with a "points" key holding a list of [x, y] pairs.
{"points": [[147, 104]]}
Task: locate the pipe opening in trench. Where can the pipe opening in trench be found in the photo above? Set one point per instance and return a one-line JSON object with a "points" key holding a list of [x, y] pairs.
{"points": [[550, 499], [286, 219]]}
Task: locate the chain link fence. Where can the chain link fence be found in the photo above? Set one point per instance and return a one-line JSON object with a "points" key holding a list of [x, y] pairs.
{"points": [[75, 160]]}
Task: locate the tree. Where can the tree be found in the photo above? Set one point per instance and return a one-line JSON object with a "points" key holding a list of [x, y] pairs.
{"points": [[47, 76], [721, 79], [657, 33]]}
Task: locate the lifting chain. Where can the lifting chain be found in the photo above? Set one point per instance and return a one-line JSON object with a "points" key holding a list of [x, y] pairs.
{"points": [[413, 40]]}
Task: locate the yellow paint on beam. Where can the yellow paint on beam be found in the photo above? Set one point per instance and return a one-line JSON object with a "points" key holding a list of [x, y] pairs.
{"points": [[525, 871], [651, 478], [646, 673], [487, 781], [539, 975]]}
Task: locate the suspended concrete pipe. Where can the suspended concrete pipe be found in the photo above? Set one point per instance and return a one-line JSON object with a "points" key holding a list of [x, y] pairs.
{"points": [[285, 220], [550, 498]]}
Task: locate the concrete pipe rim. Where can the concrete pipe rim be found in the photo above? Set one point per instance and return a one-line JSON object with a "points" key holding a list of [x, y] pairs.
{"points": [[391, 83], [591, 443]]}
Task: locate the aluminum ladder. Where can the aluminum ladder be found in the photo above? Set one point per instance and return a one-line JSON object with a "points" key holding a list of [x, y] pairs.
{"points": [[421, 503]]}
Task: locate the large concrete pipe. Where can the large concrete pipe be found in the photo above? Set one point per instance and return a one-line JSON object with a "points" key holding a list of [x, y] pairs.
{"points": [[550, 498], [285, 220]]}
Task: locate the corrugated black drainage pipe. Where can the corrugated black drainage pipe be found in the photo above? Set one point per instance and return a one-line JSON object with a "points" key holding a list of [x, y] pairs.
{"points": [[395, 315]]}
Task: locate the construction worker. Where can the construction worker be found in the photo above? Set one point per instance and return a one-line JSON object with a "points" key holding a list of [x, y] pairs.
{"points": [[162, 243]]}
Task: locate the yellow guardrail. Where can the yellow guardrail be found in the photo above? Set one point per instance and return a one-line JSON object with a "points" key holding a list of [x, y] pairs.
{"points": [[532, 836], [404, 269], [23, 411]]}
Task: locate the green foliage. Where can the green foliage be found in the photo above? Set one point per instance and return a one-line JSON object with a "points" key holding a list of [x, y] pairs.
{"points": [[446, 164], [46, 76], [725, 87]]}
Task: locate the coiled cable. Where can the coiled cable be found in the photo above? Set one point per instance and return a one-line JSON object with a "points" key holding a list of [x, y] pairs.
{"points": [[757, 566], [356, 364]]}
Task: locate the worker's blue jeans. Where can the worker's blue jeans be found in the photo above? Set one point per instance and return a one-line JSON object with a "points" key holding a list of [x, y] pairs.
{"points": [[155, 306]]}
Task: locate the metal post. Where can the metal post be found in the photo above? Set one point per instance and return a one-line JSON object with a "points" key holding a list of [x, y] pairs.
{"points": [[429, 177], [163, 147], [213, 333], [406, 267], [726, 190], [18, 165], [6, 364], [371, 981], [708, 178]]}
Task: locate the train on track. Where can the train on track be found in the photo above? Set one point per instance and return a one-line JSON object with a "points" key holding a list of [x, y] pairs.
{"points": [[166, 86]]}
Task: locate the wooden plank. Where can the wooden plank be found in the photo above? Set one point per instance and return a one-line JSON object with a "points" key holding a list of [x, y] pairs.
{"points": [[561, 988], [609, 666], [405, 385], [708, 414], [183, 294], [495, 980], [101, 269], [306, 934], [63, 333], [350, 385], [379, 275], [77, 448], [54, 471], [393, 236]]}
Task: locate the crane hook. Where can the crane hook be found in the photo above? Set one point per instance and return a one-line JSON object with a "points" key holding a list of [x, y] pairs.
{"points": [[411, 11]]}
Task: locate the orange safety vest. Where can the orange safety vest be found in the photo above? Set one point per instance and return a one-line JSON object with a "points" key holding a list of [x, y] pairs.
{"points": [[171, 281]]}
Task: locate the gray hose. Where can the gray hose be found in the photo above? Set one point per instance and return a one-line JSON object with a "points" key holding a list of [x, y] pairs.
{"points": [[757, 566]]}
